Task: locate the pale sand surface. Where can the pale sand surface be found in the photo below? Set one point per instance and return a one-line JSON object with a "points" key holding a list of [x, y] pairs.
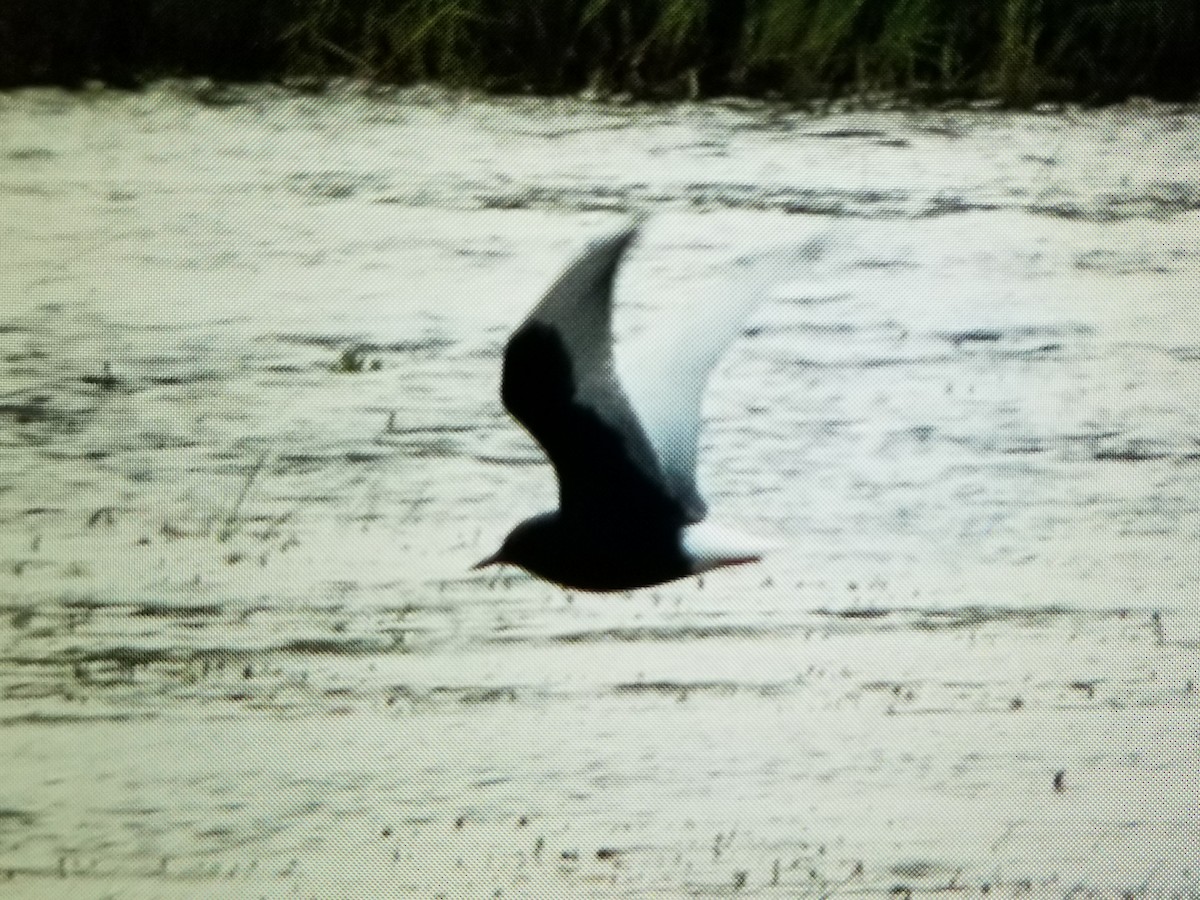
{"points": [[240, 651]]}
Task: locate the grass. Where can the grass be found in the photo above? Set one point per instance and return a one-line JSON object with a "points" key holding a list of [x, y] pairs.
{"points": [[1015, 51], [353, 360]]}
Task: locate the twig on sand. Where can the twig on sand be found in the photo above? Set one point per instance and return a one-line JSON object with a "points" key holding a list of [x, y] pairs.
{"points": [[230, 525]]}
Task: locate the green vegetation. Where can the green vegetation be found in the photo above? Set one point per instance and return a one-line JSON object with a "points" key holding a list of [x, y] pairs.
{"points": [[1019, 51], [353, 360]]}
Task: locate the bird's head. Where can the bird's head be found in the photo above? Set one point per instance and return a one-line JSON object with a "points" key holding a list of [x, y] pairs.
{"points": [[526, 546]]}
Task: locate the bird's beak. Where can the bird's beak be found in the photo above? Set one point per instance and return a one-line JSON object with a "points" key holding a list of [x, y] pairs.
{"points": [[492, 560]]}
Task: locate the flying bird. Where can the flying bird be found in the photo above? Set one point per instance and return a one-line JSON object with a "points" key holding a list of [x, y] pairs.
{"points": [[622, 439]]}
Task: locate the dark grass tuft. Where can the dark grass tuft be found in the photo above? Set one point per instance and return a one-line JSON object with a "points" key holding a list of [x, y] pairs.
{"points": [[1016, 51]]}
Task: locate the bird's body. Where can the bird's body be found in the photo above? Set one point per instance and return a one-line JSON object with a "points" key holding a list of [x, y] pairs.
{"points": [[629, 513], [597, 555]]}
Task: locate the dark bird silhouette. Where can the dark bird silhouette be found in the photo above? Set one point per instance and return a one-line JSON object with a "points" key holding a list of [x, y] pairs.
{"points": [[623, 444]]}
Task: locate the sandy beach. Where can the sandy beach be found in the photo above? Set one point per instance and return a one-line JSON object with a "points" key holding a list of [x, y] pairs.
{"points": [[251, 442]]}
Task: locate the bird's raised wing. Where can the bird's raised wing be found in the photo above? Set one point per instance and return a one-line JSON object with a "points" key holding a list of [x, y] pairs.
{"points": [[664, 375], [559, 382]]}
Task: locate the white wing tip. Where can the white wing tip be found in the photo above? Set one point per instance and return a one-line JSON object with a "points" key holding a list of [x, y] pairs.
{"points": [[710, 546]]}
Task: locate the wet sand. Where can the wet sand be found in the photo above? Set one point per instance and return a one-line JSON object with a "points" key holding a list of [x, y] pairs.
{"points": [[250, 441]]}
